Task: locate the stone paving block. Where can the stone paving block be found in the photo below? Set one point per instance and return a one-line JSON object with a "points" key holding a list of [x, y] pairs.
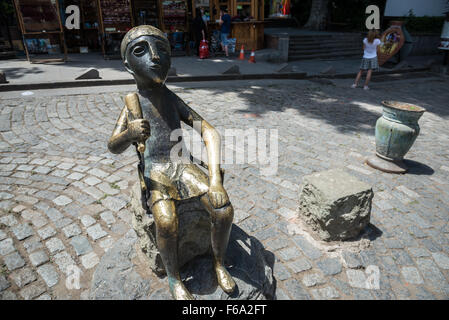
{"points": [[281, 295], [357, 279], [3, 235], [4, 284], [13, 261], [22, 231], [54, 245], [441, 260], [9, 220], [61, 223], [6, 247], [106, 244], [98, 173], [96, 232], [8, 295], [53, 214], [418, 252], [325, 293], [49, 274], [62, 201], [280, 272], [32, 244], [71, 230], [45, 296], [92, 181], [23, 277], [307, 248], [330, 266], [114, 204], [313, 279], [295, 290], [32, 291], [351, 260], [87, 221], [411, 275], [108, 217], [37, 258], [81, 245], [89, 260], [76, 176], [299, 265], [431, 273], [46, 232], [289, 253], [64, 262]]}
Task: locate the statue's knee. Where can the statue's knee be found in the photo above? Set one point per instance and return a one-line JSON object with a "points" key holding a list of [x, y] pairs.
{"points": [[166, 220], [226, 213]]}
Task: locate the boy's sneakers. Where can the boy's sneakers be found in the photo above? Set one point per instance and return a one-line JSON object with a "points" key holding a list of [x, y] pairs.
{"points": [[354, 86], [365, 88]]}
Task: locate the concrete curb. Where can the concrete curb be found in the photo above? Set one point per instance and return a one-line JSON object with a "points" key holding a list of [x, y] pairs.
{"points": [[175, 79]]}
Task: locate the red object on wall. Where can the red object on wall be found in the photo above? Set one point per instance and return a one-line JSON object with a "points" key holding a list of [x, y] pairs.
{"points": [[286, 7], [204, 49]]}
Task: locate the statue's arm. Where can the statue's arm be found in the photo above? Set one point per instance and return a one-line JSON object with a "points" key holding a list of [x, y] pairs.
{"points": [[212, 140], [119, 140]]}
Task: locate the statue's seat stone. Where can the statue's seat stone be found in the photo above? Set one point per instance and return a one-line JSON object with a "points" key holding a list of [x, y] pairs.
{"points": [[336, 205], [193, 231]]}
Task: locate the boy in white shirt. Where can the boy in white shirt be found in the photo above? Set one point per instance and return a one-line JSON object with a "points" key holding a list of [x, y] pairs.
{"points": [[369, 61]]}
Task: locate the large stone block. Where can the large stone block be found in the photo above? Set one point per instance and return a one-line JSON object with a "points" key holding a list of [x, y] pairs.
{"points": [[335, 204], [193, 231]]}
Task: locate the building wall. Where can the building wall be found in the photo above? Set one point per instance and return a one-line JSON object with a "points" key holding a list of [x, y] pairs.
{"points": [[431, 8]]}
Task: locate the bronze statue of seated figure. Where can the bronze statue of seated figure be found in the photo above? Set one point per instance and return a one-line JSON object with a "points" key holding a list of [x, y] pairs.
{"points": [[145, 52]]}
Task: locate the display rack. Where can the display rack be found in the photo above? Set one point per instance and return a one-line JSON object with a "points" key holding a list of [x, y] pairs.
{"points": [[115, 20], [38, 18], [146, 12]]}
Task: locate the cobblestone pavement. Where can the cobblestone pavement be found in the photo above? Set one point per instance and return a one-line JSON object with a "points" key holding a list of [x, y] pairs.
{"points": [[63, 196]]}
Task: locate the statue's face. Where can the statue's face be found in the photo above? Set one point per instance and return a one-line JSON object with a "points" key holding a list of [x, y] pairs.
{"points": [[148, 59]]}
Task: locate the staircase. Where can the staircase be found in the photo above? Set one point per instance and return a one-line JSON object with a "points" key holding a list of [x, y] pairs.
{"points": [[6, 52], [325, 46]]}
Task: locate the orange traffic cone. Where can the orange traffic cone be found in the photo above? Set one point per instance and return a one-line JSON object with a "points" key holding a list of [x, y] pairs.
{"points": [[252, 58], [242, 54]]}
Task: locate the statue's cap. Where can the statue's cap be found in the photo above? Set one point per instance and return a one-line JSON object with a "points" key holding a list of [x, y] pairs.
{"points": [[136, 32]]}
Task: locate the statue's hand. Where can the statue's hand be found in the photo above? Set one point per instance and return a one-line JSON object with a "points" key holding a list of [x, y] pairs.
{"points": [[138, 130], [218, 196]]}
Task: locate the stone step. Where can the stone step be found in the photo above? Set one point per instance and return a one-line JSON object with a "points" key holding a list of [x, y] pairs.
{"points": [[325, 47], [324, 51], [329, 41], [355, 53]]}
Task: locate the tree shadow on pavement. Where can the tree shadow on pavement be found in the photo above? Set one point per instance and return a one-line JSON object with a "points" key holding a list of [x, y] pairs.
{"points": [[16, 73]]}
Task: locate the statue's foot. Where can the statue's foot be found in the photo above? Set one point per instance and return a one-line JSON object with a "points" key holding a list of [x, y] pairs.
{"points": [[224, 279], [179, 291]]}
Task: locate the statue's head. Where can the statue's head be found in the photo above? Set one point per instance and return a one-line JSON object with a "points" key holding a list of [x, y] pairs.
{"points": [[145, 52]]}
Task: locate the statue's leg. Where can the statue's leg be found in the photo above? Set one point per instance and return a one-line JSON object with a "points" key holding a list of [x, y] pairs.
{"points": [[221, 223], [164, 212]]}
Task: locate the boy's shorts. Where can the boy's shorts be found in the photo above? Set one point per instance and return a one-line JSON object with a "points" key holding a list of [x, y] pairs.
{"points": [[224, 39]]}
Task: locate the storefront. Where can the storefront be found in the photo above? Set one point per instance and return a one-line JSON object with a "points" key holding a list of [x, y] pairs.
{"points": [[42, 30], [103, 23], [247, 21]]}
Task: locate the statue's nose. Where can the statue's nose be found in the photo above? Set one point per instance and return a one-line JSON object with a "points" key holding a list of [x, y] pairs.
{"points": [[154, 54]]}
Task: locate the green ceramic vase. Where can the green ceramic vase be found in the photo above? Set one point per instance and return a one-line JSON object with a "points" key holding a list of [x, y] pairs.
{"points": [[397, 129]]}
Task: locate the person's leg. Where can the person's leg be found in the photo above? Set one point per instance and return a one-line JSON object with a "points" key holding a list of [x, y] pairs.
{"points": [[226, 50], [221, 223], [368, 77], [357, 79], [164, 212]]}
